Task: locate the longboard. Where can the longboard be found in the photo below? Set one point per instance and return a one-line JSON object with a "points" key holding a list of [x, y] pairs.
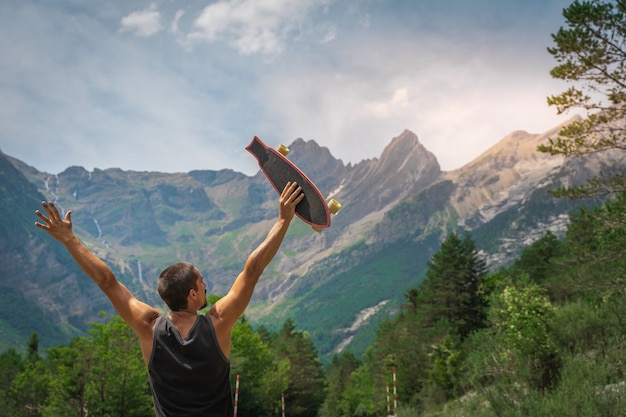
{"points": [[279, 170]]}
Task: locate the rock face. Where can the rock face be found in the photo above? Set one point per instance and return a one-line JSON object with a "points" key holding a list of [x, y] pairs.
{"points": [[503, 175], [140, 222], [404, 168]]}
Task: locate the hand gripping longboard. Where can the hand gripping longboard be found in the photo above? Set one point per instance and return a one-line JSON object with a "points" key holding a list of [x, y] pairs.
{"points": [[279, 170]]}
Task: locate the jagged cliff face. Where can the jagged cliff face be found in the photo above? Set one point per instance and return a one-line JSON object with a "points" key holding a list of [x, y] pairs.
{"points": [[140, 222], [503, 175], [404, 168], [372, 187]]}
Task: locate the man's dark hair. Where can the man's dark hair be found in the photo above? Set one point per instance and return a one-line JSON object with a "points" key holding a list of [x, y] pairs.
{"points": [[174, 284]]}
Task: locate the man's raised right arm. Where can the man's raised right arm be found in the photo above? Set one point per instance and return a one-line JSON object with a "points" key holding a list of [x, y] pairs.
{"points": [[233, 304], [137, 314]]}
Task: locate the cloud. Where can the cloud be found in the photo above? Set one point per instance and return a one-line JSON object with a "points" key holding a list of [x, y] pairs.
{"points": [[143, 23], [350, 75], [253, 26], [364, 88], [398, 102], [174, 24]]}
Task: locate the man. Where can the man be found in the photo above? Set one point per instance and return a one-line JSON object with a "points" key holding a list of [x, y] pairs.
{"points": [[187, 354]]}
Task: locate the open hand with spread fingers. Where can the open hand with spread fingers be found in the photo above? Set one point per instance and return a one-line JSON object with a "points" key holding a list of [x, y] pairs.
{"points": [[58, 227]]}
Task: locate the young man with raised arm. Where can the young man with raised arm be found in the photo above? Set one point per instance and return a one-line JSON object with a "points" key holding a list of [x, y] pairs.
{"points": [[187, 354]]}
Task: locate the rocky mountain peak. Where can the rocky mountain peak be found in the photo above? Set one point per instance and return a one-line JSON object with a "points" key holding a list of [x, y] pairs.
{"points": [[504, 174], [317, 163], [406, 157], [405, 167], [406, 144], [308, 153]]}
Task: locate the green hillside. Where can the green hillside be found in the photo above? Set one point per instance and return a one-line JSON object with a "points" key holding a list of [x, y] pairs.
{"points": [[330, 300]]}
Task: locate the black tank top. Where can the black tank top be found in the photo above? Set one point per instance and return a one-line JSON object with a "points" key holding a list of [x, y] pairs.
{"points": [[189, 377]]}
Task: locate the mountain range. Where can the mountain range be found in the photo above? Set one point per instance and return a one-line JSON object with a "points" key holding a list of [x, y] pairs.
{"points": [[337, 285]]}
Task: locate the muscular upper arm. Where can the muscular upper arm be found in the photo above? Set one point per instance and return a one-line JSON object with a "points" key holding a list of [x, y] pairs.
{"points": [[139, 315], [225, 312], [230, 307]]}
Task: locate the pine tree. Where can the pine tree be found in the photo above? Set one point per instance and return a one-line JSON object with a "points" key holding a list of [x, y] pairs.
{"points": [[451, 289], [33, 348], [337, 376], [591, 52], [307, 383], [536, 260]]}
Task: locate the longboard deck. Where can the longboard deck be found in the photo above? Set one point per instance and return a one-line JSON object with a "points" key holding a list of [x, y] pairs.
{"points": [[279, 170]]}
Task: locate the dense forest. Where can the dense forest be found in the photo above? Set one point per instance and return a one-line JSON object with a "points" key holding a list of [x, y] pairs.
{"points": [[544, 336]]}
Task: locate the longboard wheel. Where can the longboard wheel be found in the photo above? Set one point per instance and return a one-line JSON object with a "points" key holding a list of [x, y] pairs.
{"points": [[334, 206], [283, 149]]}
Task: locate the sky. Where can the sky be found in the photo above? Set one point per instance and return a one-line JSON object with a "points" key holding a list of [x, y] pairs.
{"points": [[181, 85]]}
